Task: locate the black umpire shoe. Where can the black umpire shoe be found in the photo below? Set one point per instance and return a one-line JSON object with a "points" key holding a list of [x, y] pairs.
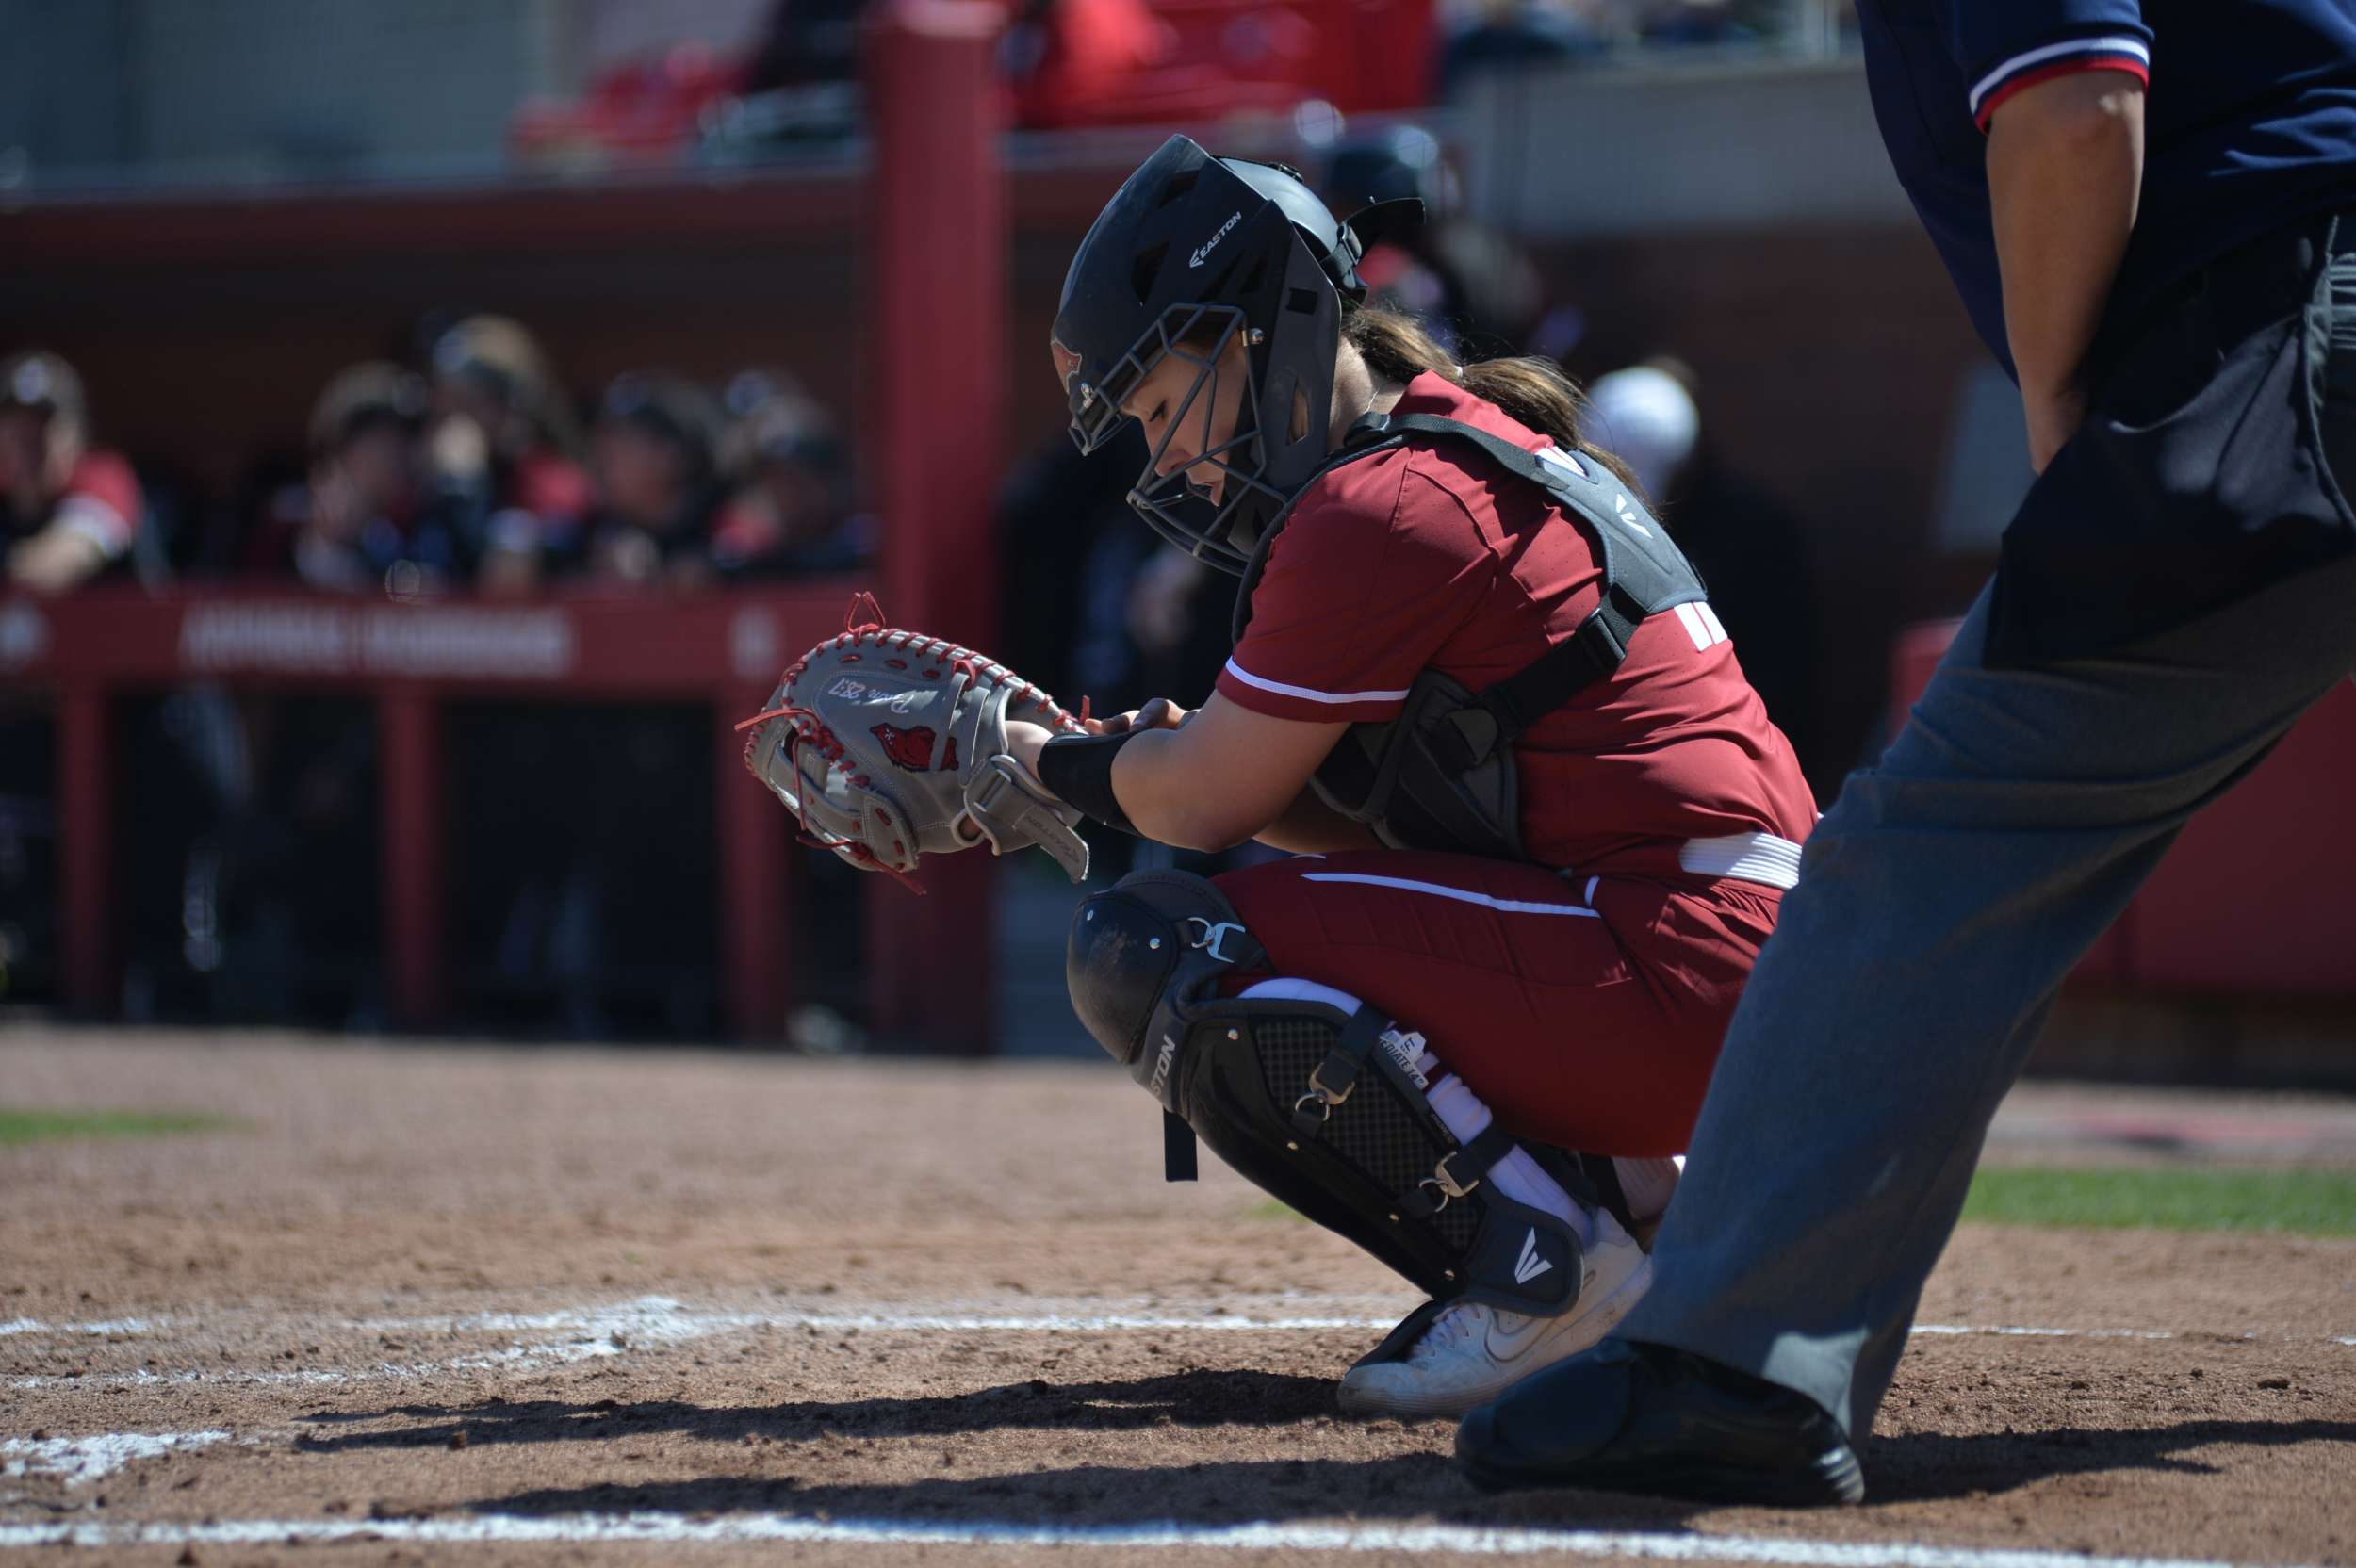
{"points": [[1633, 1418]]}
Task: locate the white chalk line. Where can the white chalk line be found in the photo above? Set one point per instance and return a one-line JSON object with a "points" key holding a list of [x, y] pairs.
{"points": [[1937, 1329], [672, 1529], [599, 1333], [111, 1326], [82, 1460]]}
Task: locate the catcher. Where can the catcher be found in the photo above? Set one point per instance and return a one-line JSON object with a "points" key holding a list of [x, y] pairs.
{"points": [[1542, 823]]}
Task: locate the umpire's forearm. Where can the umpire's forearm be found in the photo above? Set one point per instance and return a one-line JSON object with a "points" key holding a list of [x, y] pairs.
{"points": [[2065, 169]]}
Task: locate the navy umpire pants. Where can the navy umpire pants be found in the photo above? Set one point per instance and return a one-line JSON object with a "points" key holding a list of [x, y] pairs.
{"points": [[2177, 589]]}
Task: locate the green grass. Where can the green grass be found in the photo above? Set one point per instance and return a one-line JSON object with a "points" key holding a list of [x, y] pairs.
{"points": [[2281, 1202], [18, 1127]]}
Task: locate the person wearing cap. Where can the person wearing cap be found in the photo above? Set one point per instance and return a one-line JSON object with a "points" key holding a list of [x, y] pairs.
{"points": [[663, 517], [1747, 546], [502, 448], [791, 512], [368, 520], [68, 510], [1477, 290]]}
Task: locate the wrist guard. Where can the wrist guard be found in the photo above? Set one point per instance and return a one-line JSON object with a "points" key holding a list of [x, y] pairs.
{"points": [[1078, 769]]}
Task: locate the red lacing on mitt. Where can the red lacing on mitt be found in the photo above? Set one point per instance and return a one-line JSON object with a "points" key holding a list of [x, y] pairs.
{"points": [[863, 628]]}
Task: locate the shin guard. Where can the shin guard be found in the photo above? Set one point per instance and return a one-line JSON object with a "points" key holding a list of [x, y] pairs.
{"points": [[1321, 1107]]}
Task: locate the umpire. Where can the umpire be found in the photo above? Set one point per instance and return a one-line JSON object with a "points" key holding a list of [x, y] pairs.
{"points": [[2149, 211]]}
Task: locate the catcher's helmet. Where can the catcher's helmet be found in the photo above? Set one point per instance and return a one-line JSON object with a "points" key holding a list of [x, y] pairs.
{"points": [[1192, 254]]}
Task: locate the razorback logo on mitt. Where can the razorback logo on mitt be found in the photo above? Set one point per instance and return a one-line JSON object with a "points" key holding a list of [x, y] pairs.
{"points": [[912, 749], [868, 791]]}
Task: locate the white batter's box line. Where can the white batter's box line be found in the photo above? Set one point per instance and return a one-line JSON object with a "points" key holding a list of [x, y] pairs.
{"points": [[2009, 1332], [515, 1358], [673, 1528], [113, 1325], [82, 1460], [661, 1319], [602, 1333], [649, 1314]]}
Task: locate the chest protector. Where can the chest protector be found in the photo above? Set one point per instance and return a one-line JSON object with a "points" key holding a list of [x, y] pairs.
{"points": [[1442, 774]]}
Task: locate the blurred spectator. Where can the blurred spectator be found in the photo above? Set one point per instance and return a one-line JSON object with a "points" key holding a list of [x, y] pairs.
{"points": [[1516, 35], [1058, 507], [502, 448], [643, 113], [251, 857], [1691, 22], [663, 517], [806, 41], [1070, 63], [68, 510], [1750, 550], [1645, 417], [1513, 35], [1108, 612], [1147, 62], [370, 519], [1477, 291], [794, 502]]}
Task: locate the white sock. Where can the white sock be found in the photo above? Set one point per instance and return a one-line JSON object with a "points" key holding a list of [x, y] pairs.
{"points": [[1648, 1183], [1518, 1176]]}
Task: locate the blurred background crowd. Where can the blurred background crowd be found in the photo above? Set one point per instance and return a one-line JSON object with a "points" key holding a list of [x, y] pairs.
{"points": [[251, 822], [470, 467]]}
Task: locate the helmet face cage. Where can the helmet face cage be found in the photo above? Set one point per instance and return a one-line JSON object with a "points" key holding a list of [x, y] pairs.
{"points": [[1172, 503]]}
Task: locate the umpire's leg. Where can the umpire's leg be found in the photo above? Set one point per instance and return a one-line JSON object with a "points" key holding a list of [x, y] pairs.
{"points": [[1950, 890], [1941, 903]]}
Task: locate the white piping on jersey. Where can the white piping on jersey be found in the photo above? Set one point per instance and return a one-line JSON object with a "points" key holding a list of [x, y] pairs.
{"points": [[1304, 693], [1505, 906], [1701, 624], [1747, 856], [2131, 47]]}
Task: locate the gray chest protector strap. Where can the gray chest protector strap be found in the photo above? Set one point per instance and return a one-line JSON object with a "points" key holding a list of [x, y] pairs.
{"points": [[1442, 774]]}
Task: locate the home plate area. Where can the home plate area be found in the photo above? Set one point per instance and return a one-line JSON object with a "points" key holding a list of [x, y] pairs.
{"points": [[413, 1304]]}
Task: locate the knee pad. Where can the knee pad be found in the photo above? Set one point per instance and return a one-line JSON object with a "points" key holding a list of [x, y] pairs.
{"points": [[1320, 1107], [1141, 959]]}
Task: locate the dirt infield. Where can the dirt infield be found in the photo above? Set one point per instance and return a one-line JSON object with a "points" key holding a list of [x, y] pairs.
{"points": [[537, 1306]]}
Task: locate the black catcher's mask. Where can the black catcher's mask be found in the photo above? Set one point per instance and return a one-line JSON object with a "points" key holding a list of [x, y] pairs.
{"points": [[1193, 255]]}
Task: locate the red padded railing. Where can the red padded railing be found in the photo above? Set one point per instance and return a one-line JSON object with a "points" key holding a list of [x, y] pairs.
{"points": [[723, 651]]}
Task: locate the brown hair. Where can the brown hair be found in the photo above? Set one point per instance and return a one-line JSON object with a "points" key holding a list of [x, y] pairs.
{"points": [[1535, 391]]}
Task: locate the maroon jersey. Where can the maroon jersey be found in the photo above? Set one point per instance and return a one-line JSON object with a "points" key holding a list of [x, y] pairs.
{"points": [[1427, 557], [100, 501]]}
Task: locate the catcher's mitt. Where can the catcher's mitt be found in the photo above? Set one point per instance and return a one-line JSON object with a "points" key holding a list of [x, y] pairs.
{"points": [[880, 740]]}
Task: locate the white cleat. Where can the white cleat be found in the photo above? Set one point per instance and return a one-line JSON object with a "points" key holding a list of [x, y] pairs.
{"points": [[1472, 1354]]}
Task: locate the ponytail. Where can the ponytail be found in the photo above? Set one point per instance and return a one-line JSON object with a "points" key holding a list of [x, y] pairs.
{"points": [[1533, 391]]}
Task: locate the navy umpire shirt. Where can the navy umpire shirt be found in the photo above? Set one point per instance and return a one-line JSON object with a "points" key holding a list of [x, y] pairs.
{"points": [[2250, 120]]}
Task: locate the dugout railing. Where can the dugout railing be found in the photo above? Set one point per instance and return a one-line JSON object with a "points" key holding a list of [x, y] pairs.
{"points": [[407, 662]]}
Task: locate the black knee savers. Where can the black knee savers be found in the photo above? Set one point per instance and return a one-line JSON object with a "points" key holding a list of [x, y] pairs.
{"points": [[1324, 1109]]}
